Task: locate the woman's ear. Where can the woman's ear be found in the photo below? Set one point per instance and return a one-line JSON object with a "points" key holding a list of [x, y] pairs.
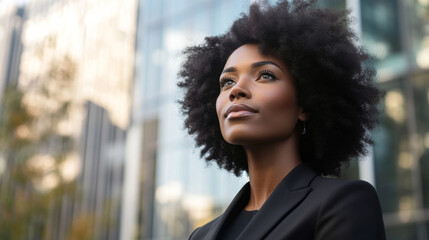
{"points": [[302, 115]]}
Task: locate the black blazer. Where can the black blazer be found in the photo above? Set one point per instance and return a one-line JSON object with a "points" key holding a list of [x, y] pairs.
{"points": [[307, 206]]}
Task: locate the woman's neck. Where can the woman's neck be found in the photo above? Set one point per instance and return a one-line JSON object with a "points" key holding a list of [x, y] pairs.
{"points": [[268, 165]]}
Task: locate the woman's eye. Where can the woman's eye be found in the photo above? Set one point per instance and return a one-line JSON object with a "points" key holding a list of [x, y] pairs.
{"points": [[266, 75], [225, 82]]}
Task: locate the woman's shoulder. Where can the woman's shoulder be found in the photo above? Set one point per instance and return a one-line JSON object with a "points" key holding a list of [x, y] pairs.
{"points": [[331, 185], [203, 230], [336, 190], [341, 194], [346, 208]]}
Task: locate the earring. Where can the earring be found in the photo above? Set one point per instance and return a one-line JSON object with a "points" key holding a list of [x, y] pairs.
{"points": [[303, 130]]}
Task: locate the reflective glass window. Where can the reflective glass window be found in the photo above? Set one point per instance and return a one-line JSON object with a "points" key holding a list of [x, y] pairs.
{"points": [[174, 7], [381, 36], [351, 170], [225, 12], [421, 103], [151, 69], [152, 11], [392, 154], [332, 4], [402, 232], [418, 20]]}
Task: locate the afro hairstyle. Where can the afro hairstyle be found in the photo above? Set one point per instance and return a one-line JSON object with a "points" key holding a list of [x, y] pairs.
{"points": [[334, 86]]}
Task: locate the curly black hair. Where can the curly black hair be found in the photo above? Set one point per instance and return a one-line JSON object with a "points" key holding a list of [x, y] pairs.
{"points": [[334, 85]]}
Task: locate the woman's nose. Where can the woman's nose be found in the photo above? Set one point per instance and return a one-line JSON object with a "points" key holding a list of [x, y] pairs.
{"points": [[239, 90]]}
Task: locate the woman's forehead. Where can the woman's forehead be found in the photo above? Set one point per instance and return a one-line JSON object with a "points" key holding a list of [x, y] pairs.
{"points": [[248, 54]]}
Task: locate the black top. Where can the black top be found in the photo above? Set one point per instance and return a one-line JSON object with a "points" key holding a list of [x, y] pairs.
{"points": [[232, 230]]}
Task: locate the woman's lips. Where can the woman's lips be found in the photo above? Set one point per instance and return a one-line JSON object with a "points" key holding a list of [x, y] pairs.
{"points": [[239, 114], [238, 111]]}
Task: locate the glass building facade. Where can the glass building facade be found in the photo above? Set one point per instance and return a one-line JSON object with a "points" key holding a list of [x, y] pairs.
{"points": [[178, 192], [82, 52], [396, 32]]}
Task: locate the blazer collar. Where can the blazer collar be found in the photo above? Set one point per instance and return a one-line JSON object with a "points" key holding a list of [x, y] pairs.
{"points": [[238, 203], [285, 197]]}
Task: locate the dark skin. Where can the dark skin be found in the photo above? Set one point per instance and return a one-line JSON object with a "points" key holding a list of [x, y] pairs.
{"points": [[257, 109]]}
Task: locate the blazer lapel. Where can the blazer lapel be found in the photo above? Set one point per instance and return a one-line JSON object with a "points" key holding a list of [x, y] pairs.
{"points": [[237, 204], [287, 195]]}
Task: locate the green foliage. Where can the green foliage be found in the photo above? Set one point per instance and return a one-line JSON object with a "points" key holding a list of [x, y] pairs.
{"points": [[32, 150], [18, 198], [13, 115]]}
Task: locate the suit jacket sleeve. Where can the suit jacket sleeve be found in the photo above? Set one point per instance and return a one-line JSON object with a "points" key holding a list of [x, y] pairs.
{"points": [[352, 212], [192, 234]]}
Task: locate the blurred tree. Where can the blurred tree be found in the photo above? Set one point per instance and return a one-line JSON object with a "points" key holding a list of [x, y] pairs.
{"points": [[80, 230], [33, 150]]}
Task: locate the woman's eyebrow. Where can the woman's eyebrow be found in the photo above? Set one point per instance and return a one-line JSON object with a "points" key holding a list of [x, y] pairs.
{"points": [[254, 65], [230, 69], [262, 63]]}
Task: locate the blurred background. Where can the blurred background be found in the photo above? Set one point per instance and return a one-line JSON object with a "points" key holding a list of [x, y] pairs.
{"points": [[92, 144]]}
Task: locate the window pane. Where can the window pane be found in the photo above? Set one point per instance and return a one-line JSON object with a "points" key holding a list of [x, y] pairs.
{"points": [[421, 101], [402, 232], [351, 171], [418, 17], [333, 4], [381, 35], [392, 156]]}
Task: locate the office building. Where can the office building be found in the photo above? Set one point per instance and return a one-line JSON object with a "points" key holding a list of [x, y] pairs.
{"points": [[179, 192], [80, 52]]}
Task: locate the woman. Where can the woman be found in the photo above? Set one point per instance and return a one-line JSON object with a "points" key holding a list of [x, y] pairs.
{"points": [[285, 97]]}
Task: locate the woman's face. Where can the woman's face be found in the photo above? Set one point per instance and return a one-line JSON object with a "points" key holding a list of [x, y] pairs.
{"points": [[257, 100]]}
